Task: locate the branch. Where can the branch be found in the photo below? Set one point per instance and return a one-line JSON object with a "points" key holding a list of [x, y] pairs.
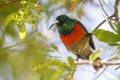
{"points": [[116, 10], [74, 69], [101, 73], [9, 2], [103, 9], [89, 63], [115, 14], [103, 21], [104, 63]]}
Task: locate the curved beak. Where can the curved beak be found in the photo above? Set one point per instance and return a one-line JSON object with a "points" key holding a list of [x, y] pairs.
{"points": [[53, 24]]}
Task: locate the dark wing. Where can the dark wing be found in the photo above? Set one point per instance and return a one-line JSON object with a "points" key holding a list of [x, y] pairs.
{"points": [[88, 34], [74, 20], [91, 41]]}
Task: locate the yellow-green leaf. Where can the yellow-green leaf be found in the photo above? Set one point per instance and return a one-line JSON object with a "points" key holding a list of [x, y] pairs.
{"points": [[22, 32], [106, 36], [9, 18], [71, 61], [22, 35], [95, 55], [23, 1]]}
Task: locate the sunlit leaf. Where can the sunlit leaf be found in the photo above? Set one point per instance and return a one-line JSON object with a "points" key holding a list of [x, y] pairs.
{"points": [[22, 32], [106, 36], [22, 35], [23, 1], [95, 55], [9, 18], [19, 16]]}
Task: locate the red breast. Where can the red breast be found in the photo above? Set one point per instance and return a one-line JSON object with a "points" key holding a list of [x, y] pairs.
{"points": [[75, 36]]}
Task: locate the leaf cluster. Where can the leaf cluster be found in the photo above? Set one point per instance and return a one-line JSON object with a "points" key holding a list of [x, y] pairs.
{"points": [[112, 38]]}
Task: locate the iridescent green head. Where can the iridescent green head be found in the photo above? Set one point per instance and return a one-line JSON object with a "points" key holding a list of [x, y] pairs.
{"points": [[65, 24]]}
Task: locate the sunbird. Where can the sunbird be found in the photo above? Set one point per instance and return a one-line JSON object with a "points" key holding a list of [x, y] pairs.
{"points": [[75, 36]]}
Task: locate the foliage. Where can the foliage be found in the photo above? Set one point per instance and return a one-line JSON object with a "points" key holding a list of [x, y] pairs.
{"points": [[95, 55], [26, 55], [112, 38], [107, 36]]}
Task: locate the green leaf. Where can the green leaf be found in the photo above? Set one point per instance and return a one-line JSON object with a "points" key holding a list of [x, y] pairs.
{"points": [[23, 1], [106, 36], [32, 6], [95, 55], [112, 25], [19, 17], [22, 31], [9, 18], [71, 61], [54, 47]]}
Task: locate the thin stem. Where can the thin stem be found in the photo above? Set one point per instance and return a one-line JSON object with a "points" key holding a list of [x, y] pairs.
{"points": [[115, 14], [74, 68], [104, 63], [103, 8], [116, 10], [101, 73], [103, 22]]}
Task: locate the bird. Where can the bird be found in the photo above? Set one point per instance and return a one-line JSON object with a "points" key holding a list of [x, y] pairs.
{"points": [[74, 36]]}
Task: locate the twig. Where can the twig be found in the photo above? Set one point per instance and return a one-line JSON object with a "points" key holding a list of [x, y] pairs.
{"points": [[116, 10], [101, 73], [9, 2], [115, 14], [103, 8], [103, 22], [74, 69], [104, 63]]}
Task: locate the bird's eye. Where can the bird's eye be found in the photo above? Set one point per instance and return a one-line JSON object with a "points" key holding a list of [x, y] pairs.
{"points": [[63, 21]]}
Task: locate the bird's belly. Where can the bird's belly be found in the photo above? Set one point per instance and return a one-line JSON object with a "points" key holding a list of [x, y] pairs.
{"points": [[81, 49]]}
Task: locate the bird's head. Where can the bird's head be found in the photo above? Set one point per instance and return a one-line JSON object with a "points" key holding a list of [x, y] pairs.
{"points": [[64, 24]]}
